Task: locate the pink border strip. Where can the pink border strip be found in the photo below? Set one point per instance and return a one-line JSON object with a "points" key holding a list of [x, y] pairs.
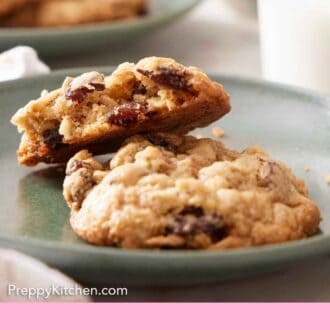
{"points": [[165, 316]]}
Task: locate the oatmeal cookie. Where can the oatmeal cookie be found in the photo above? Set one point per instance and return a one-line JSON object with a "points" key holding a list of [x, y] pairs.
{"points": [[8, 6], [170, 191], [98, 112], [51, 13]]}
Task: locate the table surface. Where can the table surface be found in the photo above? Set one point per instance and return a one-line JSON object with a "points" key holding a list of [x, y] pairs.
{"points": [[214, 39]]}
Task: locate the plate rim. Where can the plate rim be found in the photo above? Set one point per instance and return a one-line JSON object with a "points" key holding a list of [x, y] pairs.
{"points": [[293, 250], [147, 20], [319, 97]]}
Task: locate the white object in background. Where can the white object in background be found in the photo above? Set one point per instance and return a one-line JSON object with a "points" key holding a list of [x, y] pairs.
{"points": [[295, 42], [19, 62], [25, 272], [244, 8]]}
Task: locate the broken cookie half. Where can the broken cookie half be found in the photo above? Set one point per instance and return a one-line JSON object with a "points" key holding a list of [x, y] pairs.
{"points": [[99, 112]]}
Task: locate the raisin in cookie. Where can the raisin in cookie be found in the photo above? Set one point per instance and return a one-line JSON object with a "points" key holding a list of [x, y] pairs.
{"points": [[74, 12], [98, 112], [169, 191]]}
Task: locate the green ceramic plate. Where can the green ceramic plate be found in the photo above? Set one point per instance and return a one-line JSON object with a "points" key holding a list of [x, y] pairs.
{"points": [[292, 125], [60, 41]]}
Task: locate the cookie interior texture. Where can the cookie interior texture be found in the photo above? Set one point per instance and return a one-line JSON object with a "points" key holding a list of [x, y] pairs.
{"points": [[171, 191], [8, 6], [53, 13], [98, 112]]}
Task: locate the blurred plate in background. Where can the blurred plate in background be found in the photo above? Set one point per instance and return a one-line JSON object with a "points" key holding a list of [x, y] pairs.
{"points": [[61, 41]]}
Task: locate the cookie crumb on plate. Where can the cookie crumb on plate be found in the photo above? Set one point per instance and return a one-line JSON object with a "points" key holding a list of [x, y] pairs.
{"points": [[217, 132], [307, 168], [327, 179]]}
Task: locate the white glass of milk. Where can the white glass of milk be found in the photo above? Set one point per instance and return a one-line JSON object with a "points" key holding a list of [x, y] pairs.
{"points": [[295, 42]]}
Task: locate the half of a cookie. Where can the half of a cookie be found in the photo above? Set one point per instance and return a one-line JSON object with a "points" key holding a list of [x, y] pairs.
{"points": [[165, 191], [97, 112]]}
